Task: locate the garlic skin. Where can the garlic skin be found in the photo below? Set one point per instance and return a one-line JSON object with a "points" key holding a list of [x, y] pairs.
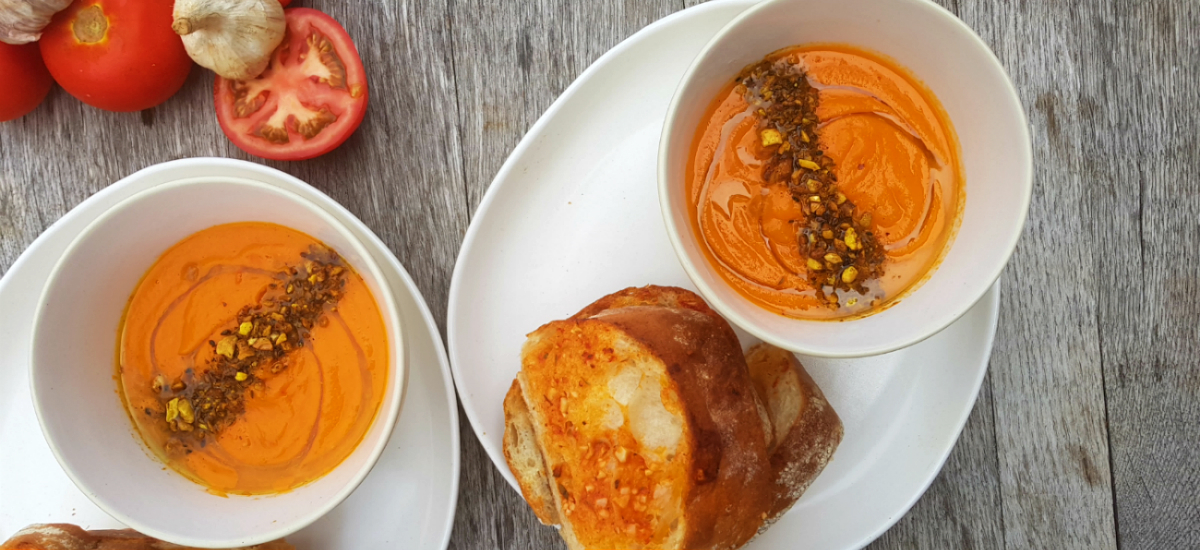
{"points": [[233, 38], [22, 21]]}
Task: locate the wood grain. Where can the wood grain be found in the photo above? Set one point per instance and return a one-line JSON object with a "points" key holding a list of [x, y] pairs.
{"points": [[1047, 385], [534, 51], [1138, 94], [1087, 431]]}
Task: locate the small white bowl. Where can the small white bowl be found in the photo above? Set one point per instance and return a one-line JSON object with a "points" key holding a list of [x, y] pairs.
{"points": [[75, 345], [960, 70]]}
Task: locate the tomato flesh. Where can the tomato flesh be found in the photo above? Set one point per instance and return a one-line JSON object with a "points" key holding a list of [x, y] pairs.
{"points": [[307, 102]]}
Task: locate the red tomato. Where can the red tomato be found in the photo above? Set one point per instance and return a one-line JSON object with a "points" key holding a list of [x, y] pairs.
{"points": [[26, 80], [307, 102], [285, 3], [118, 55]]}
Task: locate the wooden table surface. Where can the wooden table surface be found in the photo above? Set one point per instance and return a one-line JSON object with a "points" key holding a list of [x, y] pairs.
{"points": [[1087, 431]]}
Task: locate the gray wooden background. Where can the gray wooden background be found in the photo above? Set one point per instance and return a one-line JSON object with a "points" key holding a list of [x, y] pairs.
{"points": [[1087, 430]]}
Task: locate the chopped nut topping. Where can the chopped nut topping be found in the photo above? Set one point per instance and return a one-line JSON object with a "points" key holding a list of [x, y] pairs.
{"points": [[172, 409], [186, 412], [840, 249], [226, 346], [852, 239], [261, 344], [771, 136], [257, 346]]}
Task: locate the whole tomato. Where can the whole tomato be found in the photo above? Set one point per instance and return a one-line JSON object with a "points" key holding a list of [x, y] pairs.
{"points": [[26, 80], [118, 55]]}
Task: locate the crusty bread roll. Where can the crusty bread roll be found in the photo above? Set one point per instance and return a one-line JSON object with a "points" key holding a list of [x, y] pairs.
{"points": [[64, 536], [524, 456], [637, 424], [806, 430]]}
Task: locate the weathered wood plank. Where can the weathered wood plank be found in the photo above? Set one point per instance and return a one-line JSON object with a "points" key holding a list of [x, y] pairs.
{"points": [[512, 59], [1138, 95], [534, 50], [1047, 386]]}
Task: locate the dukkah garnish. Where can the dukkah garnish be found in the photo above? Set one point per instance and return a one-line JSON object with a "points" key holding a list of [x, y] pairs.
{"points": [[841, 251], [199, 405]]}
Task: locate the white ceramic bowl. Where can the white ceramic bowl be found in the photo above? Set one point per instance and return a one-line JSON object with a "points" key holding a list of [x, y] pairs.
{"points": [[960, 70], [75, 342]]}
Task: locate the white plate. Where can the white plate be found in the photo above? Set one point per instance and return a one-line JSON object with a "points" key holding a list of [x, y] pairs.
{"points": [[573, 215], [407, 501]]}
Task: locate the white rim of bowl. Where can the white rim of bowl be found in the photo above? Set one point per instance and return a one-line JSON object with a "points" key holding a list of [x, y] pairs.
{"points": [[398, 360], [676, 234]]}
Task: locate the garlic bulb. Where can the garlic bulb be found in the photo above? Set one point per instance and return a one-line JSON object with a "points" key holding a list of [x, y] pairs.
{"points": [[22, 21], [234, 38]]}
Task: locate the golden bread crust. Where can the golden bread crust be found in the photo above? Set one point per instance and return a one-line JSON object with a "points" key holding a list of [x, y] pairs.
{"points": [[64, 536], [527, 464], [729, 491], [654, 432], [807, 445], [649, 295], [653, 295]]}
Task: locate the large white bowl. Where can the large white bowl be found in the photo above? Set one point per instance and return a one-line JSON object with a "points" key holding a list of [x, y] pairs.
{"points": [[983, 107], [75, 345]]}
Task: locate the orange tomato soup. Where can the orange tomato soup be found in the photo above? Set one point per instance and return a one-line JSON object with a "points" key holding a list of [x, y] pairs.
{"points": [[896, 156], [297, 424]]}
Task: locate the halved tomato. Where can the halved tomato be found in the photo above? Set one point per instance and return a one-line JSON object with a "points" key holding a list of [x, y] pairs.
{"points": [[307, 102]]}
